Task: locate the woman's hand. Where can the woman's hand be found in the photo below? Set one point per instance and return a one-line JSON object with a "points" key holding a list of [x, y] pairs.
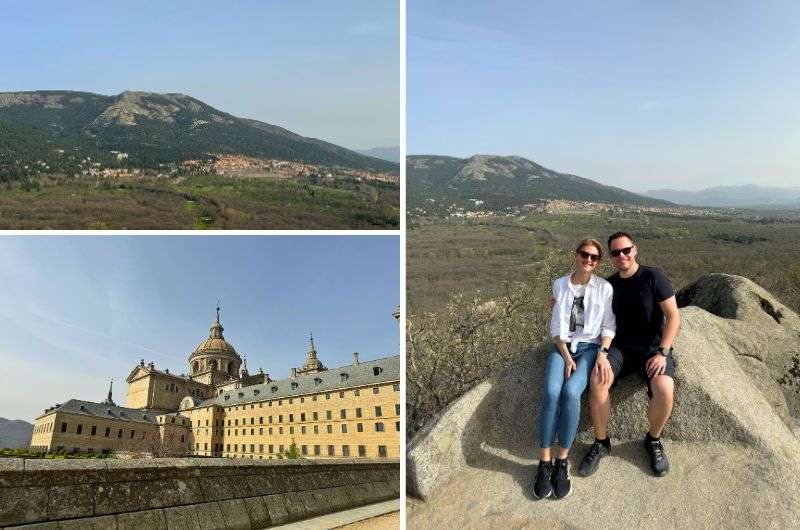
{"points": [[569, 365]]}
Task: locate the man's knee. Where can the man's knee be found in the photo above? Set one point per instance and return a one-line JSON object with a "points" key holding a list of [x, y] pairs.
{"points": [[599, 389], [662, 387]]}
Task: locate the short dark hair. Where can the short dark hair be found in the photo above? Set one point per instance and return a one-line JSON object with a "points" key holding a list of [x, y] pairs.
{"points": [[617, 235]]}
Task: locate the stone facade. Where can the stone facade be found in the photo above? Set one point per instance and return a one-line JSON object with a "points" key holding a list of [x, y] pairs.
{"points": [[220, 410]]}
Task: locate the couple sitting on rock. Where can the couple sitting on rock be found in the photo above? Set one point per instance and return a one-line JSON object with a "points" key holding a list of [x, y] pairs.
{"points": [[604, 330]]}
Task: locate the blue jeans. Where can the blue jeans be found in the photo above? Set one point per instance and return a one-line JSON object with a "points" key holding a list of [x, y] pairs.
{"points": [[561, 400]]}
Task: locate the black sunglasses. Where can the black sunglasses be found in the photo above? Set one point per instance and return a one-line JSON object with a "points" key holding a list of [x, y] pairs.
{"points": [[626, 251], [588, 255]]}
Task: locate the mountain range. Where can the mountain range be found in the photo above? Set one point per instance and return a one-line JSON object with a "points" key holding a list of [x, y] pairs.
{"points": [[152, 129], [392, 154], [733, 196], [15, 434], [501, 181]]}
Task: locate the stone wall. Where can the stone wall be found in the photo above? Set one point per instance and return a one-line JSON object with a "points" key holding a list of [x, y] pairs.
{"points": [[186, 492]]}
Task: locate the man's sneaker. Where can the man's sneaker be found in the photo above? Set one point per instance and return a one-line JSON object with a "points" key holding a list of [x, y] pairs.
{"points": [[562, 486], [592, 459], [543, 486], [658, 458]]}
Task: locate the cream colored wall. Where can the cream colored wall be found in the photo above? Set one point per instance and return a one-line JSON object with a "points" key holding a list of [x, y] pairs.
{"points": [[246, 430], [144, 433], [162, 392], [139, 393]]}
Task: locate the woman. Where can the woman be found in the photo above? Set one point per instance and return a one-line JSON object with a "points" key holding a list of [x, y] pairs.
{"points": [[582, 323]]}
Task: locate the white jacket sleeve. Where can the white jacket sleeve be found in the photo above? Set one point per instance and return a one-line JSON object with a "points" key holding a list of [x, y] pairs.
{"points": [[555, 317], [609, 324]]}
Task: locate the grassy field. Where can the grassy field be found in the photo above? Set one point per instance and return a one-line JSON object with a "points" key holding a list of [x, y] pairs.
{"points": [[444, 258], [198, 202]]}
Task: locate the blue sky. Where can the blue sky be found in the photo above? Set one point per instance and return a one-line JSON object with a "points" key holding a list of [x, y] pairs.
{"points": [[77, 311], [641, 95], [319, 68]]}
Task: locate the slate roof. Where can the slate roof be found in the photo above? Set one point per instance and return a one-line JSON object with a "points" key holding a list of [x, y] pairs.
{"points": [[101, 410], [328, 381]]}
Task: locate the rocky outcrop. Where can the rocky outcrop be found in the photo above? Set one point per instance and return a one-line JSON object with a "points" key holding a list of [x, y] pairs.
{"points": [[15, 434], [735, 406]]}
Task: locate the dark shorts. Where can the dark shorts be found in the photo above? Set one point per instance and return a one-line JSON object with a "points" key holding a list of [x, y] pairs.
{"points": [[627, 361]]}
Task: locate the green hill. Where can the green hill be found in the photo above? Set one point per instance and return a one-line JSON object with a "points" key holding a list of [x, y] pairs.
{"points": [[152, 129], [435, 182]]}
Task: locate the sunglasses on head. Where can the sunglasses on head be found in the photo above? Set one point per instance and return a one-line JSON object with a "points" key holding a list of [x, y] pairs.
{"points": [[588, 255], [626, 251]]}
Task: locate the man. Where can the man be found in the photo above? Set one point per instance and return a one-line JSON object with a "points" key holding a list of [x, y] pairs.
{"points": [[647, 324]]}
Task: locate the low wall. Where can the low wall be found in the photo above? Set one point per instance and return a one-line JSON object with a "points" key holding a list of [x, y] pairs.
{"points": [[186, 493]]}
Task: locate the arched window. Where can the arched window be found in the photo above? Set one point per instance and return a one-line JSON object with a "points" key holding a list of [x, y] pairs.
{"points": [[196, 367]]}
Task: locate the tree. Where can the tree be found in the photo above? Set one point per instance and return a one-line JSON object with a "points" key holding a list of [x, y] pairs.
{"points": [[292, 451]]}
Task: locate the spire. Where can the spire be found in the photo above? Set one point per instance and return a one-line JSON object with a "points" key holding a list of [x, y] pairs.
{"points": [[109, 400], [216, 327], [312, 351]]}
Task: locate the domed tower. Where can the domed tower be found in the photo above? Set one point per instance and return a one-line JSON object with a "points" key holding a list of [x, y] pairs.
{"points": [[214, 360], [312, 364]]}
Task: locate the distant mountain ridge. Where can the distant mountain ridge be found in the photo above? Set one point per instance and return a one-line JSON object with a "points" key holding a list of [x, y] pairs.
{"points": [[392, 154], [15, 434], [500, 182], [732, 196], [155, 128]]}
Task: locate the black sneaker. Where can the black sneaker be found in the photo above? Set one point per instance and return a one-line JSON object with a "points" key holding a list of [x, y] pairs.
{"points": [[658, 458], [562, 486], [592, 459], [543, 487]]}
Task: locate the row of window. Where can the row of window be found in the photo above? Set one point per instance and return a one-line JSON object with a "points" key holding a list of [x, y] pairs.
{"points": [[302, 417], [342, 393], [379, 427], [304, 449]]}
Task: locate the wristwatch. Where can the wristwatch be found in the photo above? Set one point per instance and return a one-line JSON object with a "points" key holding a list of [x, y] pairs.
{"points": [[664, 351], [604, 350]]}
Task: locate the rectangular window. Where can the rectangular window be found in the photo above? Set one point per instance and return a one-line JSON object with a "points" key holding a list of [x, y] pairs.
{"points": [[343, 414], [397, 426], [376, 390], [290, 401], [280, 430], [328, 415], [133, 433], [341, 394], [358, 412], [280, 418], [196, 446], [382, 451], [291, 418], [397, 408], [362, 450], [357, 392], [271, 448], [236, 448], [260, 448], [94, 430], [261, 420], [228, 447], [302, 416], [252, 448], [378, 412], [108, 431], [331, 450], [80, 429], [302, 429], [378, 426], [280, 402], [236, 421], [280, 449], [345, 450], [252, 421], [261, 430], [316, 429], [360, 427], [119, 434], [270, 419], [270, 431], [291, 430], [302, 400], [63, 426], [328, 395], [316, 450], [304, 449], [315, 416], [313, 398], [344, 428], [396, 387], [330, 428]]}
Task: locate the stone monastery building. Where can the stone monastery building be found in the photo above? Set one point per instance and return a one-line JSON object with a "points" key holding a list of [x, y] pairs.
{"points": [[221, 410]]}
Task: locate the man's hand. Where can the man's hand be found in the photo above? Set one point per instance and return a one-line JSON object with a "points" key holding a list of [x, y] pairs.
{"points": [[602, 369], [569, 365], [656, 365]]}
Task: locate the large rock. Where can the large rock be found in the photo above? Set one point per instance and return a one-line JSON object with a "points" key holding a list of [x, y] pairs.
{"points": [[734, 407]]}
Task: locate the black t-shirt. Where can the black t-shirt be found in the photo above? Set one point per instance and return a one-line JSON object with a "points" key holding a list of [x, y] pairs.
{"points": [[640, 319]]}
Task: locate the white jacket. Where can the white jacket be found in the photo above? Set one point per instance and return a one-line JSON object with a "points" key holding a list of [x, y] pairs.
{"points": [[599, 319]]}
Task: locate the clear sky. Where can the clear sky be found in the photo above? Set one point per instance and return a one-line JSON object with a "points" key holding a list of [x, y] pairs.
{"points": [[77, 311], [325, 69], [640, 95]]}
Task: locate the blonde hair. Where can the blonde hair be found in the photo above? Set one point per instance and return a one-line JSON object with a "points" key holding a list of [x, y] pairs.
{"points": [[590, 242]]}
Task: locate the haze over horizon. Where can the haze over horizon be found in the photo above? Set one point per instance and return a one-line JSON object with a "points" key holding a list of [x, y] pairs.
{"points": [[680, 96], [79, 311], [320, 70]]}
